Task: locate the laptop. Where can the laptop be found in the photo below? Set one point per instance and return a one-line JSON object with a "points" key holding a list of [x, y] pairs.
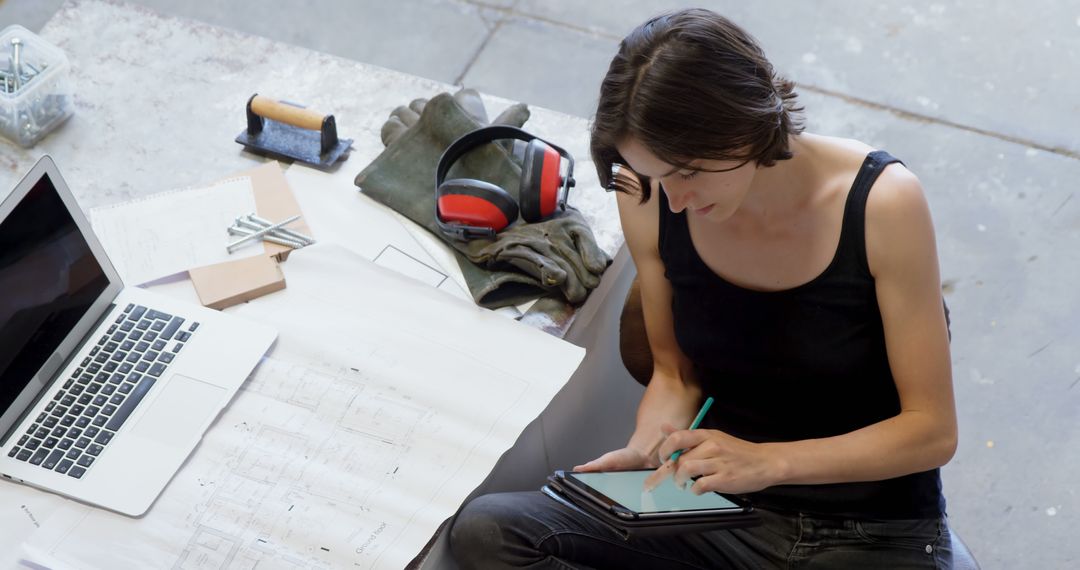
{"points": [[104, 389]]}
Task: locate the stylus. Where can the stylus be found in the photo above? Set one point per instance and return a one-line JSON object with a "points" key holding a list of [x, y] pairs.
{"points": [[694, 425], [649, 483]]}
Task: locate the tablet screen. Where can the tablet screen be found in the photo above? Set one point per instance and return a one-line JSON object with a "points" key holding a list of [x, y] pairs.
{"points": [[626, 488]]}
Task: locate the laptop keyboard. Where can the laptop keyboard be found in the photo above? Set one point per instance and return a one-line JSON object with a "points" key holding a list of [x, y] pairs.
{"points": [[82, 418]]}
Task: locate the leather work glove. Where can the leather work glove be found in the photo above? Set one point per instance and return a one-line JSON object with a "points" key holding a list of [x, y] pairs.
{"points": [[523, 261]]}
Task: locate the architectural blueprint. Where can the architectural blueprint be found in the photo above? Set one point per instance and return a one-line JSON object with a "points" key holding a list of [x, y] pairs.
{"points": [[22, 512], [383, 404]]}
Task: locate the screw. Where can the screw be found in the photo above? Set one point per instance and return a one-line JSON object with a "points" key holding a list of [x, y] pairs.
{"points": [[262, 222], [272, 239], [258, 234], [16, 65], [29, 71], [253, 227], [31, 128], [245, 222]]}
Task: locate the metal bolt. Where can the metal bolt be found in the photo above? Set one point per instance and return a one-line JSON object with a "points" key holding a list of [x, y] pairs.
{"points": [[244, 222], [258, 234], [29, 71], [31, 128], [252, 227], [16, 64], [262, 222], [270, 238]]}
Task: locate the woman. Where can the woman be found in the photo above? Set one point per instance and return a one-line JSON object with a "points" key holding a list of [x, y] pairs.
{"points": [[774, 280]]}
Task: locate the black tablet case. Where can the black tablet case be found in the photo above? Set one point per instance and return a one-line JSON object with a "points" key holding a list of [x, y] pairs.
{"points": [[644, 527]]}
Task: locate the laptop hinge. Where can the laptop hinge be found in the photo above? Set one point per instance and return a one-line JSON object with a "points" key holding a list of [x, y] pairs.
{"points": [[55, 375]]}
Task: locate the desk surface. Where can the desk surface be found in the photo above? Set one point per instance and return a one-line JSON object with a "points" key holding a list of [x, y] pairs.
{"points": [[159, 101]]}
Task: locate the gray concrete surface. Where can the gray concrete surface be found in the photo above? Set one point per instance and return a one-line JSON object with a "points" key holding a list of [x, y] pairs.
{"points": [[978, 98]]}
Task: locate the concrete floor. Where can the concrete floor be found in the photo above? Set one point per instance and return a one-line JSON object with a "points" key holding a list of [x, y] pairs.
{"points": [[979, 99]]}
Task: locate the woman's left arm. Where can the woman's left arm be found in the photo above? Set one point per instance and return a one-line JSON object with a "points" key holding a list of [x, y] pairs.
{"points": [[902, 256]]}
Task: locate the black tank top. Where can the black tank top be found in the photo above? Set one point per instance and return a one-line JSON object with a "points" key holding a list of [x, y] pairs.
{"points": [[801, 363]]}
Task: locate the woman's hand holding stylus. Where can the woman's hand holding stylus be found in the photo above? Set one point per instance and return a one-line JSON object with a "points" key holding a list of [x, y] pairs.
{"points": [[720, 462]]}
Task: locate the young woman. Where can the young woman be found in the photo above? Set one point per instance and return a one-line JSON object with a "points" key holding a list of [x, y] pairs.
{"points": [[791, 276]]}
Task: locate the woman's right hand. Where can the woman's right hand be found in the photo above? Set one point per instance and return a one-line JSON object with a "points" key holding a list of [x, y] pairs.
{"points": [[620, 460]]}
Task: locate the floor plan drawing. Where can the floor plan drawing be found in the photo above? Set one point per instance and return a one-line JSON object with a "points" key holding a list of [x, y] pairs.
{"points": [[345, 448]]}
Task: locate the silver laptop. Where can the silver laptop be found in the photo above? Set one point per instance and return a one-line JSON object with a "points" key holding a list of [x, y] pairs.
{"points": [[104, 389]]}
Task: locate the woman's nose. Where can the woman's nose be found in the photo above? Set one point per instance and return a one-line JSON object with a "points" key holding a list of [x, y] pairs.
{"points": [[677, 199]]}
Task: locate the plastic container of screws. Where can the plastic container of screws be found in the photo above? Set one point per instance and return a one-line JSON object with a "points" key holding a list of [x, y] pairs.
{"points": [[35, 88]]}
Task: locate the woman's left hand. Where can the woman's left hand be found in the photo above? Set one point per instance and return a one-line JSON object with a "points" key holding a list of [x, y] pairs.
{"points": [[722, 462]]}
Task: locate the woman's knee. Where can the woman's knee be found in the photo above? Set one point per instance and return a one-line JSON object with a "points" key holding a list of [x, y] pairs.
{"points": [[476, 527], [490, 531]]}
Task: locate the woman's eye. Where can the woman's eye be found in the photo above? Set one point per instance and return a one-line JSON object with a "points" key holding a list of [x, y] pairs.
{"points": [[688, 176]]}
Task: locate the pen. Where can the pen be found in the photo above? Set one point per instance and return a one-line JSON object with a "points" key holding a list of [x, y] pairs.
{"points": [[694, 425], [651, 482]]}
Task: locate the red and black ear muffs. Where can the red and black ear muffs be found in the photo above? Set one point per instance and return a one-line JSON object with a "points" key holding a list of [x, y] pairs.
{"points": [[466, 208]]}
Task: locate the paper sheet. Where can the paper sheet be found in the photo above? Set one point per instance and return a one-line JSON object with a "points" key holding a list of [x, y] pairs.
{"points": [[347, 217], [22, 511], [382, 405], [171, 232], [341, 215]]}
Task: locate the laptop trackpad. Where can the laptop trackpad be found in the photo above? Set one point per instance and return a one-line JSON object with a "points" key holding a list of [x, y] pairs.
{"points": [[178, 414]]}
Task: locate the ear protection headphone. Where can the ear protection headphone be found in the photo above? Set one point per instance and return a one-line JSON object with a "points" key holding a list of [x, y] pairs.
{"points": [[466, 208]]}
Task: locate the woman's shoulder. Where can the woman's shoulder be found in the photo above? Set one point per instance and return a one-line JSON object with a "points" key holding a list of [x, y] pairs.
{"points": [[896, 207], [897, 212], [640, 220], [835, 155], [843, 157]]}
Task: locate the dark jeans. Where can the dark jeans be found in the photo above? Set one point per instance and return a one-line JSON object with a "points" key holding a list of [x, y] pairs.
{"points": [[532, 530]]}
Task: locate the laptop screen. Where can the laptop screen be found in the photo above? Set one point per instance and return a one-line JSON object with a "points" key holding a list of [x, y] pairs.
{"points": [[49, 278]]}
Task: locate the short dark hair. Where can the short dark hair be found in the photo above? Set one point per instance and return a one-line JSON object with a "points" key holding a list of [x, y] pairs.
{"points": [[692, 84]]}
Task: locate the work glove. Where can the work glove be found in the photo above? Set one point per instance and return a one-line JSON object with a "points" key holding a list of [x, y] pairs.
{"points": [[523, 261]]}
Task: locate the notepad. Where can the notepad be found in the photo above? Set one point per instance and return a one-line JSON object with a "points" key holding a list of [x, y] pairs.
{"points": [[170, 232]]}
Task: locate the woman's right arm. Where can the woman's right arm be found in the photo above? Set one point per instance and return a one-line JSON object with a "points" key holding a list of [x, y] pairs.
{"points": [[673, 394]]}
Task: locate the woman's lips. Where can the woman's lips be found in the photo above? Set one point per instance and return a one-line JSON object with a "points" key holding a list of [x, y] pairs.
{"points": [[705, 210]]}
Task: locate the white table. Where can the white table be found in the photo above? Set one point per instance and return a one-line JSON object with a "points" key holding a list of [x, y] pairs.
{"points": [[159, 101]]}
